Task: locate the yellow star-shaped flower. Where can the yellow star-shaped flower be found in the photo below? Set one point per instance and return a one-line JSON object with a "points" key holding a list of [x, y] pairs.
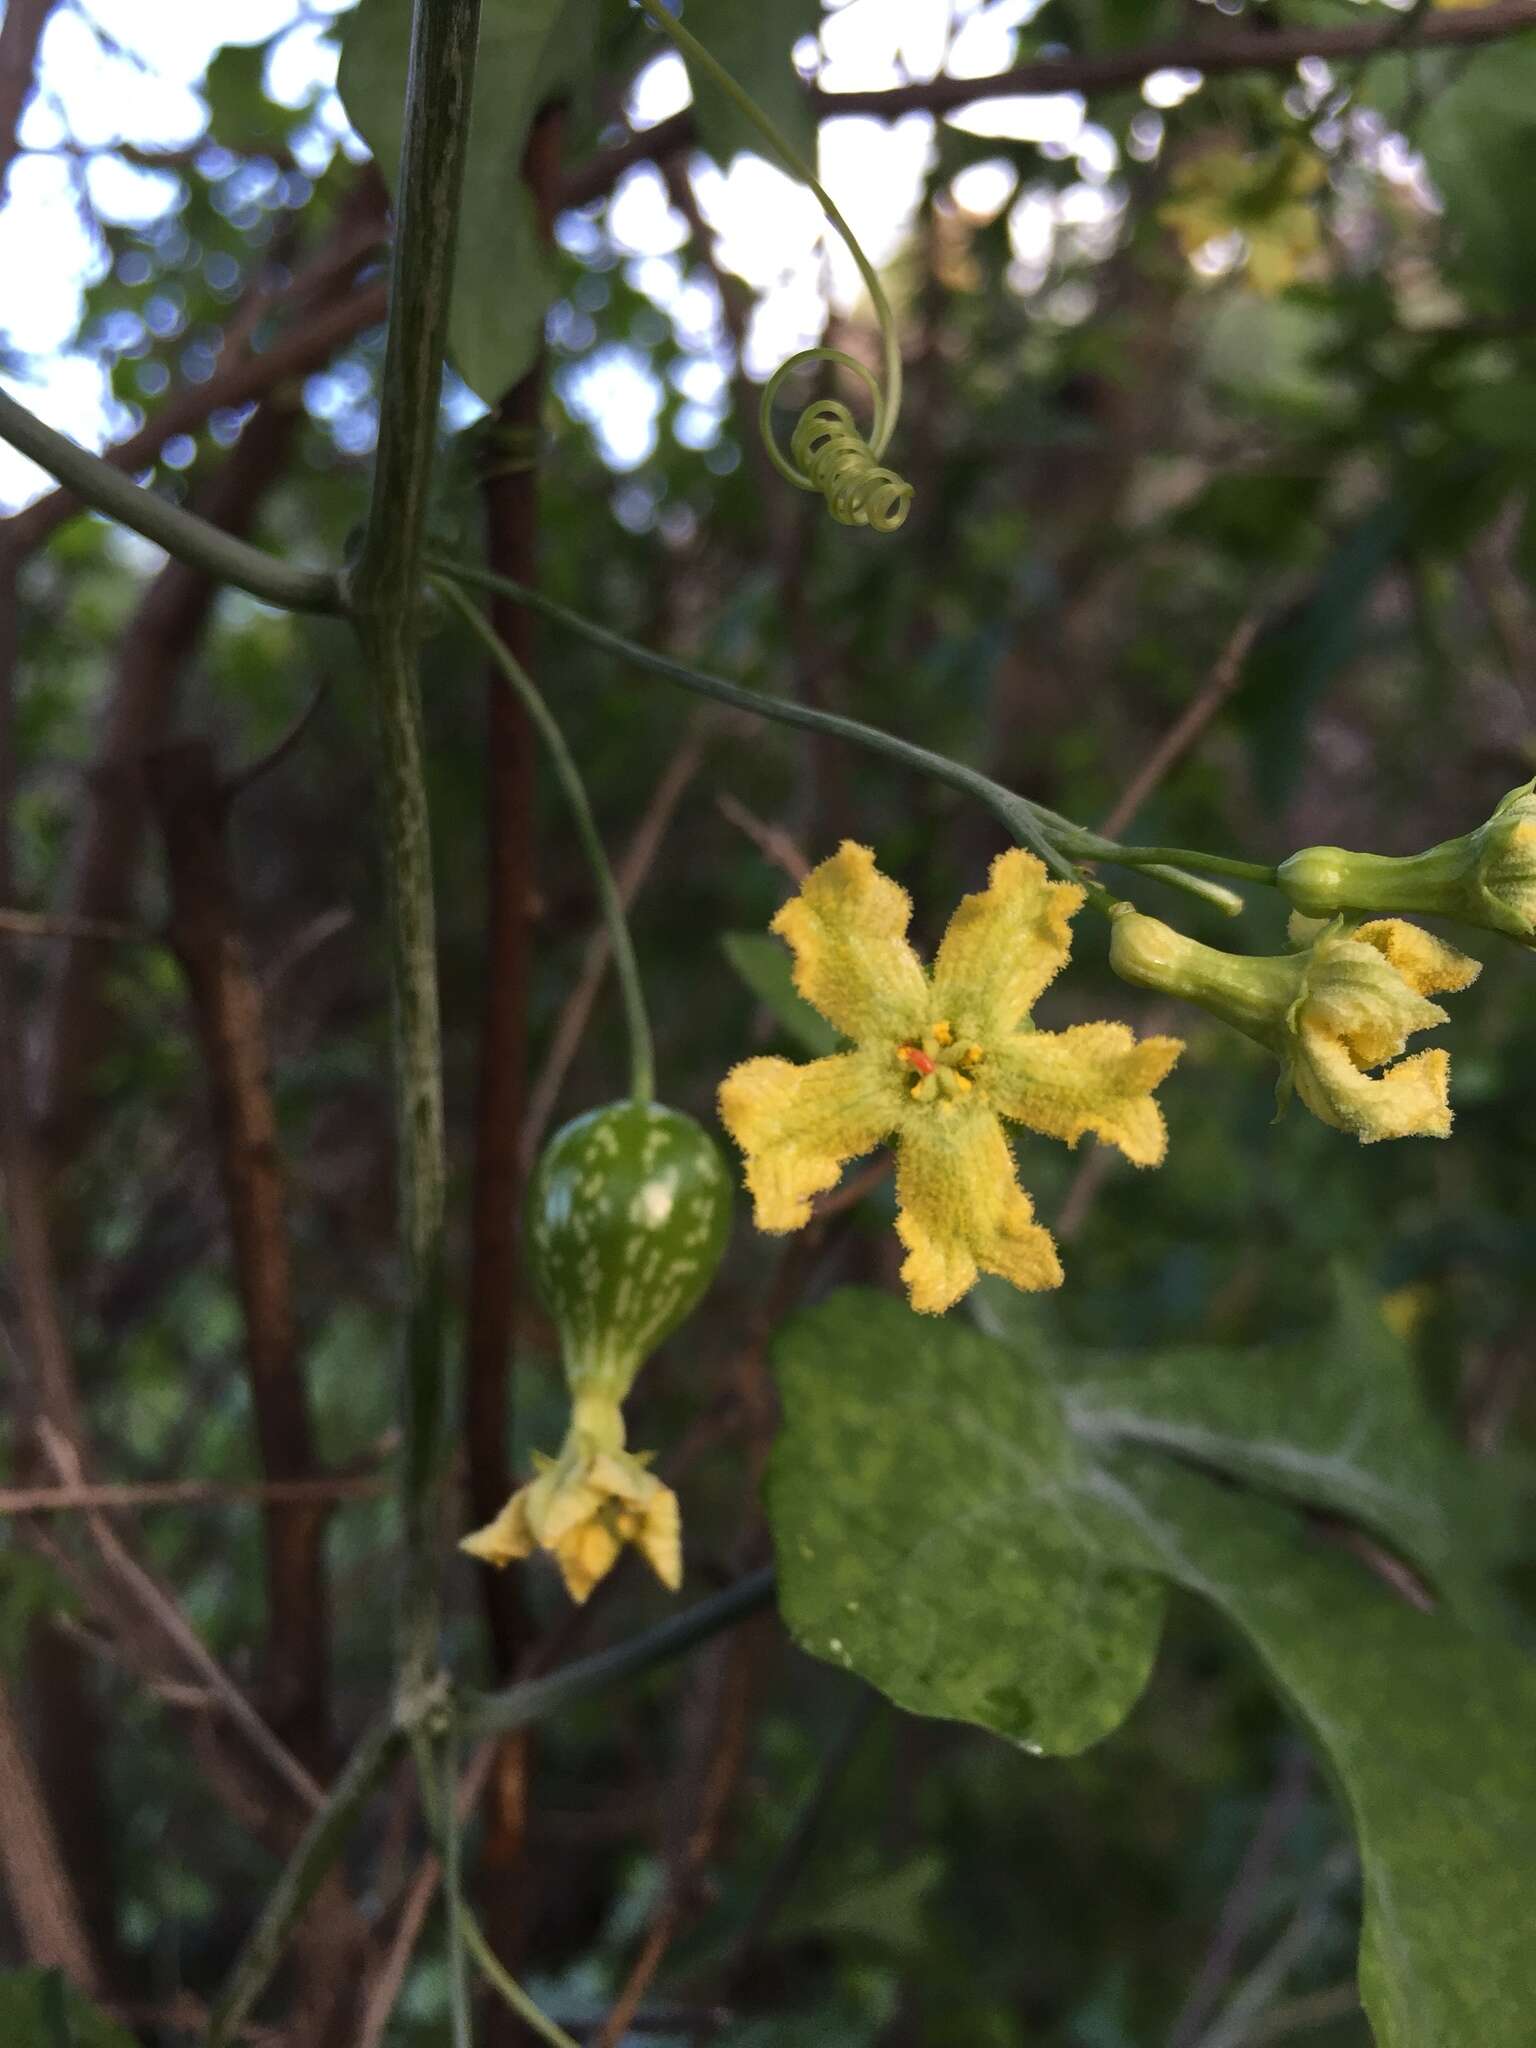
{"points": [[585, 1505], [936, 1062]]}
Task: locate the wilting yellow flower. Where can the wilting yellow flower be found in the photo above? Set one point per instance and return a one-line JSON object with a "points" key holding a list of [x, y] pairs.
{"points": [[936, 1062], [1486, 877], [1264, 198], [1331, 1012], [585, 1505]]}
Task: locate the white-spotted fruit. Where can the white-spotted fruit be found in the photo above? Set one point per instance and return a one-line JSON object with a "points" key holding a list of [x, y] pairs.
{"points": [[628, 1216]]}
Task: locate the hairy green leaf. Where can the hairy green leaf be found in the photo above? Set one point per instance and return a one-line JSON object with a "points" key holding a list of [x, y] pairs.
{"points": [[928, 1510], [1336, 1422], [531, 51], [1427, 1727]]}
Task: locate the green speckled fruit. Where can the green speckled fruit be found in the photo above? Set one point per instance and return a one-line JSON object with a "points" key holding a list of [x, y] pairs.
{"points": [[628, 1215]]}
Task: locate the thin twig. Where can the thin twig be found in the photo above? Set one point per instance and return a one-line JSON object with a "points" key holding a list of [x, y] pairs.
{"points": [[165, 1493], [1266, 49], [773, 842], [1235, 2025], [43, 924], [1187, 728], [638, 857], [1282, 1810]]}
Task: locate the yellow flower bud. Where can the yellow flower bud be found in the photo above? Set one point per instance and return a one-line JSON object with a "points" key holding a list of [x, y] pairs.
{"points": [[1485, 878], [1331, 1012]]}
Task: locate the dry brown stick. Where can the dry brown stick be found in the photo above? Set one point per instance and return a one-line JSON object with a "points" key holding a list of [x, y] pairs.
{"points": [[154, 651], [639, 856], [19, 35], [43, 924], [192, 810], [1187, 728], [181, 1493], [510, 506], [36, 1881], [161, 1615], [191, 1494], [711, 1769], [772, 841]]}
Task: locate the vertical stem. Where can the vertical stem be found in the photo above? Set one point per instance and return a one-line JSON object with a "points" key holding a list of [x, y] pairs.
{"points": [[227, 1006], [385, 598], [509, 492]]}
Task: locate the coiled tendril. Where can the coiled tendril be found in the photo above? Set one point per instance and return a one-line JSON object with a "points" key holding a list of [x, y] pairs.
{"points": [[827, 453]]}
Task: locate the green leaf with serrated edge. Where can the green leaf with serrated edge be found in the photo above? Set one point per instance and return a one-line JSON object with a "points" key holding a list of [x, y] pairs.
{"points": [[1338, 1421], [930, 1519], [1427, 1728], [764, 965], [753, 42], [41, 2009], [531, 51]]}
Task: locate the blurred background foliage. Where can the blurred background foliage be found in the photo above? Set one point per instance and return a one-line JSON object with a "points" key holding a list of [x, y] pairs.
{"points": [[1143, 481]]}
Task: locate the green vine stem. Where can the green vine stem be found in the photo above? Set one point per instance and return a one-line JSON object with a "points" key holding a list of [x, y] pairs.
{"points": [[386, 596], [192, 540], [880, 494], [642, 1066], [535, 1699], [434, 1750], [1057, 841]]}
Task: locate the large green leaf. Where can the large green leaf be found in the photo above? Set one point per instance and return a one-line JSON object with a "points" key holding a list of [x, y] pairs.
{"points": [[1337, 1422], [928, 1508], [1427, 1728], [753, 42], [943, 1529], [531, 51]]}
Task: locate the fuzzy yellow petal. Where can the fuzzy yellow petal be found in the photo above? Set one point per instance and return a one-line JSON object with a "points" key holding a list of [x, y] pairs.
{"points": [[1094, 1077], [1428, 965], [800, 1125], [960, 1210], [1408, 1100], [504, 1539], [848, 931], [1003, 946]]}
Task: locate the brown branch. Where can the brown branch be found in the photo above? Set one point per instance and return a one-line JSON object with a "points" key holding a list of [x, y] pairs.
{"points": [[192, 810], [1215, 56], [705, 1785], [773, 842], [43, 924], [154, 650], [19, 34], [639, 856], [1187, 729], [42, 1898], [185, 1493]]}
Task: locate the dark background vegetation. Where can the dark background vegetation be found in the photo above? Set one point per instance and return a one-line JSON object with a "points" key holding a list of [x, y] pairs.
{"points": [[1138, 491]]}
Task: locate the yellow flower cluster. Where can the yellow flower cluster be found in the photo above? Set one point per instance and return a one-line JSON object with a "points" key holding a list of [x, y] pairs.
{"points": [[936, 1062]]}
